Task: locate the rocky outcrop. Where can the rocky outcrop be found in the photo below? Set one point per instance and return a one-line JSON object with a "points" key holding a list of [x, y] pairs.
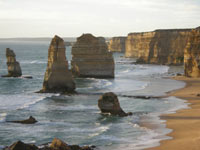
{"points": [[90, 58], [58, 78], [117, 44], [109, 103], [30, 120], [56, 144], [159, 46], [192, 55], [19, 145], [14, 69]]}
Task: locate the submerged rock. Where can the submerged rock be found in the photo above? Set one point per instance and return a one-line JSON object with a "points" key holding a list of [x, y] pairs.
{"points": [[109, 103], [14, 69], [90, 58], [30, 120], [58, 78]]}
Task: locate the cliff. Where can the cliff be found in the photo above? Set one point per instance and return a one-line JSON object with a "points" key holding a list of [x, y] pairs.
{"points": [[192, 55], [90, 58], [57, 77], [117, 44], [14, 69], [159, 46]]}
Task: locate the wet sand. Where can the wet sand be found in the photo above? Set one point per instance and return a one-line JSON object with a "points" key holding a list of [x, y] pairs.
{"points": [[185, 123]]}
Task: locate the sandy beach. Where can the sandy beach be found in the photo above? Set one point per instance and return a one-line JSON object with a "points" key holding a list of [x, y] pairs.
{"points": [[184, 123]]}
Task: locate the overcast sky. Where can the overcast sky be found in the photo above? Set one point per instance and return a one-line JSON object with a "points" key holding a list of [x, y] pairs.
{"points": [[68, 18]]}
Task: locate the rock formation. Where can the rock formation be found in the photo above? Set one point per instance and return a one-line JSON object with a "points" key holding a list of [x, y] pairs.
{"points": [[57, 77], [90, 58], [109, 103], [56, 144], [117, 44], [159, 46], [192, 55], [14, 69], [19, 145], [30, 120]]}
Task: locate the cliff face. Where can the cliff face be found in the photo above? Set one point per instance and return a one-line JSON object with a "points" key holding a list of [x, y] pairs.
{"points": [[192, 55], [138, 45], [57, 77], [14, 69], [158, 47], [117, 44], [90, 58]]}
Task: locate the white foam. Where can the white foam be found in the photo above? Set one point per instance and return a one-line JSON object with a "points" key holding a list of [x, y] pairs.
{"points": [[33, 62], [99, 131], [2, 116], [154, 136], [80, 107], [26, 105], [143, 70]]}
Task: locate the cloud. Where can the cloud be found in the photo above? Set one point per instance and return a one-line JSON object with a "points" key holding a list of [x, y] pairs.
{"points": [[110, 17]]}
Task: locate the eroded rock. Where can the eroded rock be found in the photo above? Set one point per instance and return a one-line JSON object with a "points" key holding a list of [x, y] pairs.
{"points": [[90, 58], [109, 103], [58, 78], [19, 145], [56, 144], [14, 69]]}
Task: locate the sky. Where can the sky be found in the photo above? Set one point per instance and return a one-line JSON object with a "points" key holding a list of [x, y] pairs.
{"points": [[71, 18]]}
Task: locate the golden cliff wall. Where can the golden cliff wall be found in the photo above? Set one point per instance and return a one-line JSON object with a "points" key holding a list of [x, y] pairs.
{"points": [[158, 47], [117, 44], [192, 55]]}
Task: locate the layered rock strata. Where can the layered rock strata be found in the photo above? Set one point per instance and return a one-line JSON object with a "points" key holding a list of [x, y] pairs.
{"points": [[14, 69], [90, 58], [109, 103], [158, 47], [117, 44], [58, 78], [192, 55]]}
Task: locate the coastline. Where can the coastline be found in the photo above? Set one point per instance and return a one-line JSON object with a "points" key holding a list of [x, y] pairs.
{"points": [[185, 122]]}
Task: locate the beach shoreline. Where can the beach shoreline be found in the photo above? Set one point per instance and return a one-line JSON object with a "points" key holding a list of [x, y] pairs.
{"points": [[185, 122]]}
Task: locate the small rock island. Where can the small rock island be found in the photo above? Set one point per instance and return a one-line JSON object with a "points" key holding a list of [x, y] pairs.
{"points": [[91, 58], [109, 103], [14, 69], [58, 78]]}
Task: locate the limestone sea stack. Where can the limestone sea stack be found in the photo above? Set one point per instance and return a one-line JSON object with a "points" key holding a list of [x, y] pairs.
{"points": [[192, 55], [109, 103], [117, 44], [158, 47], [58, 78], [90, 58], [14, 69]]}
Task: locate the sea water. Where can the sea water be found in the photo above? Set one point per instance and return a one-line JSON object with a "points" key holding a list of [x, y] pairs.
{"points": [[76, 119]]}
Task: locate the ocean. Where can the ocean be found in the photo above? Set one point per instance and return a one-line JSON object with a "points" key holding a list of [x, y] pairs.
{"points": [[76, 119]]}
